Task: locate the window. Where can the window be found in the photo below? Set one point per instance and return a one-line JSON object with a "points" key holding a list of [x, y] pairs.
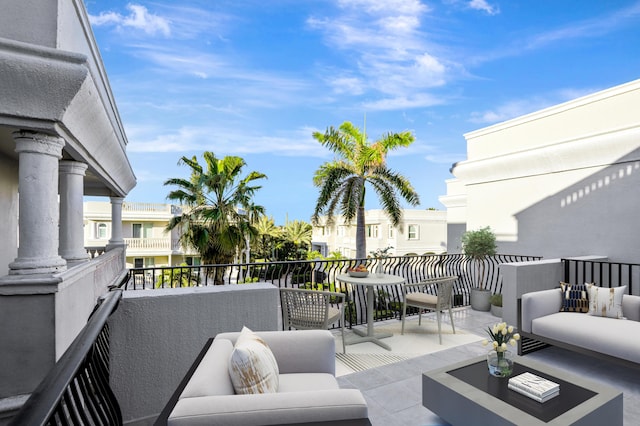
{"points": [[342, 231], [138, 262], [192, 260], [101, 231], [321, 230], [392, 231], [372, 231], [414, 232], [141, 230]]}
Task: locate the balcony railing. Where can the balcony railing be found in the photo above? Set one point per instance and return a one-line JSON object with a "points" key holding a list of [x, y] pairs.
{"points": [[148, 243], [603, 274], [321, 274], [76, 391]]}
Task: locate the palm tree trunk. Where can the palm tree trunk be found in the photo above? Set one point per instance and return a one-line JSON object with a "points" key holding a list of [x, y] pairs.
{"points": [[361, 242]]}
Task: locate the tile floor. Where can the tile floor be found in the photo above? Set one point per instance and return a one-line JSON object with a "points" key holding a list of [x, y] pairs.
{"points": [[394, 392]]}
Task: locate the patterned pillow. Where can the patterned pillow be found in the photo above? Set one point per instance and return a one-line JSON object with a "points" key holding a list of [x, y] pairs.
{"points": [[606, 302], [252, 366], [575, 297]]}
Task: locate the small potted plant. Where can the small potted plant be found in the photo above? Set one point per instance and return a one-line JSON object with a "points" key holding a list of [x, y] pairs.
{"points": [[496, 305], [478, 245], [499, 359]]}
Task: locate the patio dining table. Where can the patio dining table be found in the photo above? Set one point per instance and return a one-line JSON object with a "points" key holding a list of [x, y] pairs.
{"points": [[370, 281]]}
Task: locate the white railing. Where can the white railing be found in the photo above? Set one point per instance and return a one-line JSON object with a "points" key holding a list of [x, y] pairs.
{"points": [[148, 243], [146, 207]]}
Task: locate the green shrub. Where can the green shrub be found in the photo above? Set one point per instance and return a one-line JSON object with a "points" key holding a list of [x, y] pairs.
{"points": [[496, 299]]}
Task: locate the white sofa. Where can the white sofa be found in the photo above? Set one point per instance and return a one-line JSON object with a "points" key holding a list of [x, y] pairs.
{"points": [[603, 337], [308, 392]]}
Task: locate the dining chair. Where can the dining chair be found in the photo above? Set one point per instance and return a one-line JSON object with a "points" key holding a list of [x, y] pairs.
{"points": [[312, 309], [422, 300]]}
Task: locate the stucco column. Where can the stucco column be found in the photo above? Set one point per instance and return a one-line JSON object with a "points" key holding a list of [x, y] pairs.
{"points": [[116, 223], [71, 208], [39, 216]]}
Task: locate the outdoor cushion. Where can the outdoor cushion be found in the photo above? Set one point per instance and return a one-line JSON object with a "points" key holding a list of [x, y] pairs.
{"points": [[215, 363], [606, 302], [575, 297], [303, 382], [252, 366]]}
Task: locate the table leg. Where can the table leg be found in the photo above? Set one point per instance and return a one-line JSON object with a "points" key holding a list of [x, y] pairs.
{"points": [[370, 336]]}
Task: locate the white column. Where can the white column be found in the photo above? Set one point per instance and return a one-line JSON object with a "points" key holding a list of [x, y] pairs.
{"points": [[38, 204], [116, 223], [71, 208]]}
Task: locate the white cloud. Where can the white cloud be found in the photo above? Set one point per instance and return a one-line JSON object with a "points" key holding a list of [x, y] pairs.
{"points": [[138, 18], [484, 6]]}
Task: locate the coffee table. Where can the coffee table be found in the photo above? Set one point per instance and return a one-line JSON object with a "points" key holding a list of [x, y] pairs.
{"points": [[465, 393]]}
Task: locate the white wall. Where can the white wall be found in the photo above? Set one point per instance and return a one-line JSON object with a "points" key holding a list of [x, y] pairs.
{"points": [[156, 335], [560, 182]]}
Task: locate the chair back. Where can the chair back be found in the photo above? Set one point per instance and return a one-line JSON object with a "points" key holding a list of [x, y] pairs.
{"points": [[305, 309], [445, 293]]}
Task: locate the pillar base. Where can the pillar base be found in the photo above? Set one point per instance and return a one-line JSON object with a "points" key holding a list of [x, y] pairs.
{"points": [[37, 266]]}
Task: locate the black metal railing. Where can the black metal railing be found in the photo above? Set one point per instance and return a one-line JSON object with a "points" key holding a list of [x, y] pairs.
{"points": [[603, 274], [321, 274], [76, 391]]}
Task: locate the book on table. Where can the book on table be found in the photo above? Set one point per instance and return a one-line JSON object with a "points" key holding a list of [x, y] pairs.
{"points": [[532, 396], [534, 385]]}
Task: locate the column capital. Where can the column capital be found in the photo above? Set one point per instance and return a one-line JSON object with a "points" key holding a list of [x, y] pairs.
{"points": [[116, 200], [72, 167], [39, 143]]}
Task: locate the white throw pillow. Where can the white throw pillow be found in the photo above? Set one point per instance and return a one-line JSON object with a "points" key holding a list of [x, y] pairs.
{"points": [[606, 302], [252, 366]]}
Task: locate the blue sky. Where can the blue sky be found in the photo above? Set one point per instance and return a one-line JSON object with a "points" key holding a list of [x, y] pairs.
{"points": [[255, 78]]}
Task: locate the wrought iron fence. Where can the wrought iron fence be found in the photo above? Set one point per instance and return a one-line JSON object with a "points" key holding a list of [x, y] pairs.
{"points": [[76, 391], [321, 275], [603, 274]]}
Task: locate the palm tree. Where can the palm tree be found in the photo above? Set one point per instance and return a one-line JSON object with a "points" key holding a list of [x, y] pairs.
{"points": [[299, 233], [218, 201], [267, 233], [342, 182]]}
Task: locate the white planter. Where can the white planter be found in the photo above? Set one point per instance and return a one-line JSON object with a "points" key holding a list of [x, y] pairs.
{"points": [[480, 299], [496, 311]]}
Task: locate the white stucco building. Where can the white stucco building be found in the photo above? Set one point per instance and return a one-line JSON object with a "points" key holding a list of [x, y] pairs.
{"points": [[421, 231], [563, 181], [61, 138]]}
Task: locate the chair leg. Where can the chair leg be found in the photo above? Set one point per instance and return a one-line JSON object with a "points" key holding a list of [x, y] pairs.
{"points": [[344, 348], [404, 315], [419, 316], [451, 318], [439, 326]]}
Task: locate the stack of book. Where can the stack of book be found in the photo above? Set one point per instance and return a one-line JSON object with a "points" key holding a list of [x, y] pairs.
{"points": [[535, 387]]}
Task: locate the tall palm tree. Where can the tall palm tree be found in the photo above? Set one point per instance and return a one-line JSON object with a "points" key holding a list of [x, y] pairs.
{"points": [[299, 233], [342, 182], [218, 201]]}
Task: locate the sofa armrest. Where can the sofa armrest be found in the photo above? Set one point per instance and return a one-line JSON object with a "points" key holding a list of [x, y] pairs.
{"points": [[298, 351], [273, 408], [538, 304], [631, 307]]}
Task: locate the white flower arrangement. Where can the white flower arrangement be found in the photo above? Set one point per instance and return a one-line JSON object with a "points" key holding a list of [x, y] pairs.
{"points": [[381, 253], [501, 334]]}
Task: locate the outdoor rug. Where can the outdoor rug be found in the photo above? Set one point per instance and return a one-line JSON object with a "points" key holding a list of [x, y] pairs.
{"points": [[416, 341]]}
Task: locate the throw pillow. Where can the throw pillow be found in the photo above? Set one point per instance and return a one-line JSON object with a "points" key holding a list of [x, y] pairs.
{"points": [[575, 297], [606, 302], [252, 366]]}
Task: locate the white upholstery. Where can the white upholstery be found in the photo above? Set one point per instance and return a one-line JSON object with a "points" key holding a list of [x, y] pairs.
{"points": [[308, 390], [610, 336]]}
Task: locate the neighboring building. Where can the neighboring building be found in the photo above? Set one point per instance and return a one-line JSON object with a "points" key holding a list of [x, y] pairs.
{"points": [[144, 233], [61, 138], [563, 181], [421, 231]]}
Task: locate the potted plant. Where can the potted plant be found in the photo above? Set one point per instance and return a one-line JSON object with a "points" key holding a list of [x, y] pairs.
{"points": [[496, 305], [477, 245]]}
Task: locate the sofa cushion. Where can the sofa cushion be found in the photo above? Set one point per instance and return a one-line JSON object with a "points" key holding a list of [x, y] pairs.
{"points": [[605, 335], [631, 307], [252, 366], [575, 298], [606, 302], [305, 382], [212, 375]]}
